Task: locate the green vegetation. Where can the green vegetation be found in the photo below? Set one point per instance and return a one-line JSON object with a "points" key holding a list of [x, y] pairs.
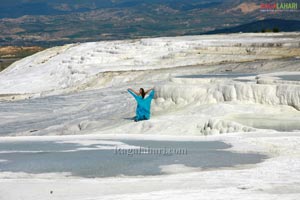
{"points": [[274, 30], [264, 26]]}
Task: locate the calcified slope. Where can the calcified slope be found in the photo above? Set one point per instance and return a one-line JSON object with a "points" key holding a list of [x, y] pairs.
{"points": [[214, 90], [180, 92], [72, 66], [98, 74], [81, 89]]}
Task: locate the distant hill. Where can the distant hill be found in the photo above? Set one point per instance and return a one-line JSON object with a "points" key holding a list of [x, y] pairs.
{"points": [[19, 8], [50, 23], [262, 25]]}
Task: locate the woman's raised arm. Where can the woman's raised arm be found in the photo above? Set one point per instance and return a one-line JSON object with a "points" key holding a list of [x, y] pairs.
{"points": [[149, 90], [135, 92]]}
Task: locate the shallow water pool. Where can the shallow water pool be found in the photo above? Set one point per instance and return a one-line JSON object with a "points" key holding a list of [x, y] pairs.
{"points": [[295, 77], [274, 122], [103, 158], [229, 75]]}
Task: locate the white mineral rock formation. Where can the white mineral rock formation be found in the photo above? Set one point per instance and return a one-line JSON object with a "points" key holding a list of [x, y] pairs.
{"points": [[69, 66]]}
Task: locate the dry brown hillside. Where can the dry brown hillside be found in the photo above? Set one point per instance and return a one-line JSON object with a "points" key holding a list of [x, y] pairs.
{"points": [[10, 54]]}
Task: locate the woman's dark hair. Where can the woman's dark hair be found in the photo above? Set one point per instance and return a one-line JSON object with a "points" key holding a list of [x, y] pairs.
{"points": [[142, 91]]}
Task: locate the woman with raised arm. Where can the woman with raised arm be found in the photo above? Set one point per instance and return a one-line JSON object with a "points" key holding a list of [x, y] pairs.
{"points": [[143, 104]]}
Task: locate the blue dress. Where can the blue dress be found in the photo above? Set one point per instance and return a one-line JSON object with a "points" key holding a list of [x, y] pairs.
{"points": [[143, 106]]}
